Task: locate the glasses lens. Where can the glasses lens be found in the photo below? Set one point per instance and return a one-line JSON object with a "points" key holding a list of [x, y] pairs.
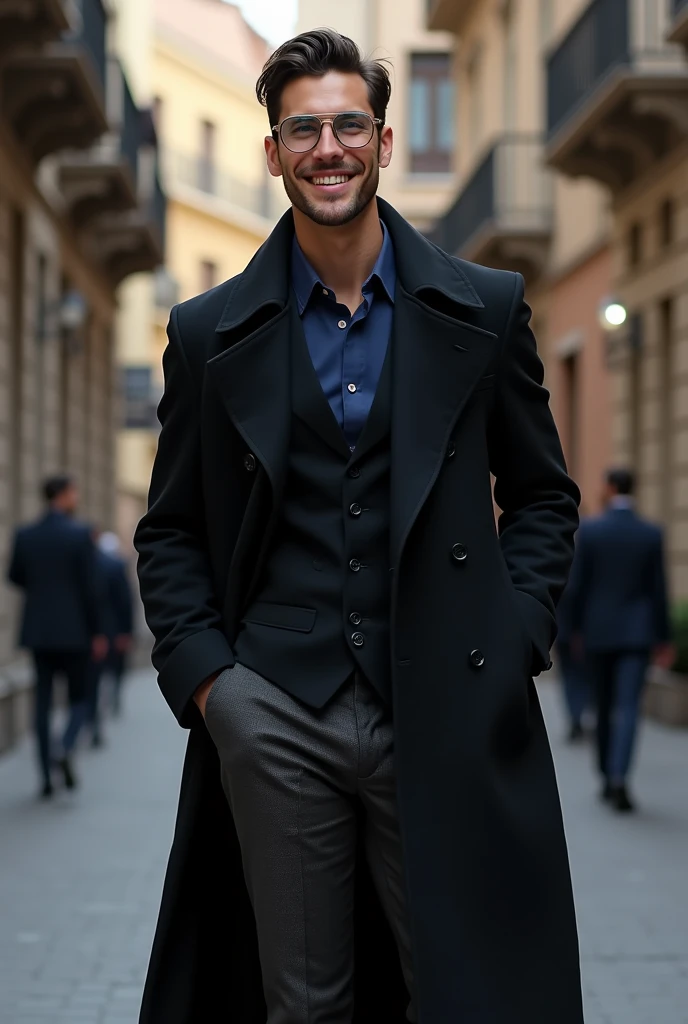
{"points": [[353, 130], [299, 134]]}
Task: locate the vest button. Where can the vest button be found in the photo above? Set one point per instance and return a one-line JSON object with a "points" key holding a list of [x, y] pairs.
{"points": [[358, 639], [354, 472], [354, 565], [355, 619], [459, 552], [249, 462], [355, 509], [477, 659]]}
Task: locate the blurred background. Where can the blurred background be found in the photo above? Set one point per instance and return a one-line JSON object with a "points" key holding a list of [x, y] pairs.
{"points": [[544, 136]]}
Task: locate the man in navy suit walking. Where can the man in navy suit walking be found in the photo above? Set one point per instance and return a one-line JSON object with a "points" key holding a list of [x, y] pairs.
{"points": [[620, 618], [53, 561]]}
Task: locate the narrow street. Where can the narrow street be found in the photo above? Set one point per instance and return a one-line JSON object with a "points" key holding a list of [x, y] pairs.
{"points": [[80, 878]]}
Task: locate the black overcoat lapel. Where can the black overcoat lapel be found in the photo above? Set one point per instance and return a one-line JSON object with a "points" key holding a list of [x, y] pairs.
{"points": [[437, 363]]}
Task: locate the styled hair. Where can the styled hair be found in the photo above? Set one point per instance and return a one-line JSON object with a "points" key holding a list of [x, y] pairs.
{"points": [[315, 53], [622, 480], [54, 486]]}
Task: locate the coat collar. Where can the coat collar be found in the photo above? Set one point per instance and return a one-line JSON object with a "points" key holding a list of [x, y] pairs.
{"points": [[422, 268]]}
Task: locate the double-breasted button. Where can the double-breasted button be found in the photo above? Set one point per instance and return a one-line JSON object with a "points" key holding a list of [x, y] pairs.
{"points": [[358, 639], [451, 450], [354, 472], [354, 565], [355, 619], [355, 509], [476, 658], [460, 552], [249, 462]]}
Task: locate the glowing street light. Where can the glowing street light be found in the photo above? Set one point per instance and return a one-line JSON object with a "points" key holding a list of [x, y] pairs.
{"points": [[612, 315]]}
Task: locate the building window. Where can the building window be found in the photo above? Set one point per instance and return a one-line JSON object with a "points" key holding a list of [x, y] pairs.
{"points": [[208, 275], [510, 81], [206, 162], [666, 223], [431, 113], [635, 245], [570, 373], [667, 373]]}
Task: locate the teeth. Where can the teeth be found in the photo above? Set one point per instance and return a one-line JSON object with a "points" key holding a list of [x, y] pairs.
{"points": [[336, 179]]}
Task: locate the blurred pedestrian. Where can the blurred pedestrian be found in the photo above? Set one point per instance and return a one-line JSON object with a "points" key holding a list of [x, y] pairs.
{"points": [[118, 610], [53, 561], [620, 621], [572, 671]]}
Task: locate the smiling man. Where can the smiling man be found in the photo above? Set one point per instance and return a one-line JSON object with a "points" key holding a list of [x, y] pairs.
{"points": [[369, 828]]}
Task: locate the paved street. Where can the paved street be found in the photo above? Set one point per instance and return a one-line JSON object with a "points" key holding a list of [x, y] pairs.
{"points": [[80, 879]]}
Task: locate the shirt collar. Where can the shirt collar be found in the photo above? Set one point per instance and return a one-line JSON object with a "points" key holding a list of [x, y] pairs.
{"points": [[621, 501], [305, 279]]}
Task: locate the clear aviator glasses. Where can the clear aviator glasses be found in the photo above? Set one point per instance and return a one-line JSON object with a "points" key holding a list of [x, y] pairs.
{"points": [[352, 129]]}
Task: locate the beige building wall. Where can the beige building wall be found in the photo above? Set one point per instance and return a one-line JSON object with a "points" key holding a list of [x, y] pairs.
{"points": [[392, 29]]}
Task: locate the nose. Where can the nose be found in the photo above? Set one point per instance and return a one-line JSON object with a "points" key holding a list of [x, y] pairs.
{"points": [[328, 147]]}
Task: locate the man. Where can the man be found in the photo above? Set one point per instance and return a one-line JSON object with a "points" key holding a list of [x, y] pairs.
{"points": [[619, 613], [118, 617], [321, 572], [53, 561]]}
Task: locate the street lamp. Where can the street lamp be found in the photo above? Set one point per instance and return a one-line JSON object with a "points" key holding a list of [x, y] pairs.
{"points": [[612, 314]]}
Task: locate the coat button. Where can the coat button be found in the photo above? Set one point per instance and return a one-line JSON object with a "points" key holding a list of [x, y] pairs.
{"points": [[459, 552], [451, 450], [354, 472], [355, 619], [249, 461], [354, 565], [355, 509], [358, 639], [477, 659]]}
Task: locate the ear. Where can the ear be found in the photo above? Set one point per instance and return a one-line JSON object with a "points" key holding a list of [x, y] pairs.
{"points": [[272, 156], [386, 146]]}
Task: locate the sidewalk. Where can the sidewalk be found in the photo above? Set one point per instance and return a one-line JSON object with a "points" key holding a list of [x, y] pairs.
{"points": [[80, 879]]}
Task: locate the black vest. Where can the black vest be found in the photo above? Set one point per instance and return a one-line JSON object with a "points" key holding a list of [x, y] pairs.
{"points": [[321, 608]]}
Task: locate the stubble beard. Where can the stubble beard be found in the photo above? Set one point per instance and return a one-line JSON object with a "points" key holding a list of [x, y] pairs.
{"points": [[329, 212]]}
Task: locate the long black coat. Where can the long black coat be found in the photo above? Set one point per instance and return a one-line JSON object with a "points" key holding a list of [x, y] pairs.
{"points": [[488, 884]]}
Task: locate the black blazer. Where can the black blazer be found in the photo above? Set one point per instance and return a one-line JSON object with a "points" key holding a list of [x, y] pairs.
{"points": [[617, 596], [54, 562]]}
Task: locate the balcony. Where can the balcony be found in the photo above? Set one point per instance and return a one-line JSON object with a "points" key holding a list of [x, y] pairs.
{"points": [[449, 15], [26, 26], [678, 30], [503, 215], [105, 177], [201, 182], [134, 242], [617, 93], [54, 97]]}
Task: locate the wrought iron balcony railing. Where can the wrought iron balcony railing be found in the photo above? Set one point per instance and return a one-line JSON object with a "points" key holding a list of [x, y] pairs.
{"points": [[198, 173]]}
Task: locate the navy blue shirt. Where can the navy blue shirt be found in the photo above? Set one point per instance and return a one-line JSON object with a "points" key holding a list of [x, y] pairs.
{"points": [[347, 351]]}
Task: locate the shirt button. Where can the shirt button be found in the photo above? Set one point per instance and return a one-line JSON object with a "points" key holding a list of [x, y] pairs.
{"points": [[355, 509], [354, 565], [351, 388], [342, 324], [325, 291], [355, 619], [358, 639]]}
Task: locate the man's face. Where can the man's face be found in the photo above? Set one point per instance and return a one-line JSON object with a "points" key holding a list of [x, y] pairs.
{"points": [[329, 205], [69, 499]]}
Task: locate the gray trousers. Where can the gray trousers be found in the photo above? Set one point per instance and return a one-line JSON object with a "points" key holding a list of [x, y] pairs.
{"points": [[291, 774]]}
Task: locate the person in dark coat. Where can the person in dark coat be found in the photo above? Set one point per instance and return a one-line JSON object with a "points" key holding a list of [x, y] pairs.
{"points": [[119, 625], [369, 822], [54, 563], [620, 621]]}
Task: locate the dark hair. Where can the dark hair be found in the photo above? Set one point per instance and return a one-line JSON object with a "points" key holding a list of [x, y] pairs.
{"points": [[622, 480], [54, 486], [315, 53]]}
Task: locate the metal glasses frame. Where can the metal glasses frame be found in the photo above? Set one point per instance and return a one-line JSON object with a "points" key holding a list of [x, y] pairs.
{"points": [[327, 120]]}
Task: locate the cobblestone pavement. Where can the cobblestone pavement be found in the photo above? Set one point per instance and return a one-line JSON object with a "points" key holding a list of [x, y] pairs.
{"points": [[80, 878]]}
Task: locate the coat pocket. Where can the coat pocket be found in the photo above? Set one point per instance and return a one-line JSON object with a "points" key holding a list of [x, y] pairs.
{"points": [[281, 616]]}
